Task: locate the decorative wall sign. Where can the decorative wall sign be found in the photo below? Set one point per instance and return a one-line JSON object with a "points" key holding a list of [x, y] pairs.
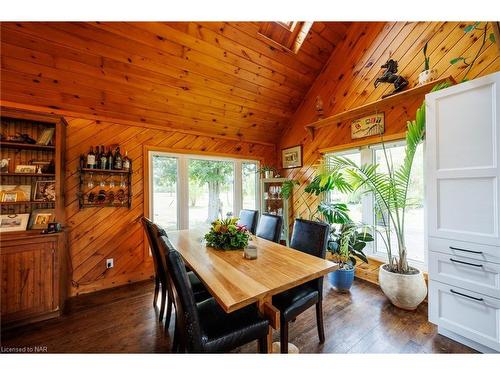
{"points": [[291, 157], [368, 126]]}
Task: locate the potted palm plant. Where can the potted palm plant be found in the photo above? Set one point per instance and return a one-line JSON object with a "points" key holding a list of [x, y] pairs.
{"points": [[402, 284], [346, 245]]}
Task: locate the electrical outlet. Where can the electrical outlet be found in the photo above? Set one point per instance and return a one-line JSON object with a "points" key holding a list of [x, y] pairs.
{"points": [[109, 263]]}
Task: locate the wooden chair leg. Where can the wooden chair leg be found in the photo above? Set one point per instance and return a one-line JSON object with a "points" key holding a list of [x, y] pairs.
{"points": [[319, 321], [175, 344], [262, 345], [170, 303], [284, 337], [163, 300], [157, 289]]}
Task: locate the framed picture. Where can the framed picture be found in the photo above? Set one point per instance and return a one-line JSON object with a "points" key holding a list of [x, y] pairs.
{"points": [[4, 165], [46, 137], [291, 157], [368, 126], [22, 193], [40, 219], [25, 169], [13, 222], [45, 191]]}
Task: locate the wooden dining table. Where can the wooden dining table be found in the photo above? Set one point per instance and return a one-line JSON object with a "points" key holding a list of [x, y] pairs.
{"points": [[236, 282]]}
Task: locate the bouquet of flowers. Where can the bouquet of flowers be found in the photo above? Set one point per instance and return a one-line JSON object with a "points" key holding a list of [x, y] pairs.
{"points": [[227, 235]]}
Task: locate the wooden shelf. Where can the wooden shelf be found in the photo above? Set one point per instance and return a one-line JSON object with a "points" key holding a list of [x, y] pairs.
{"points": [[27, 174], [373, 107], [110, 171], [26, 146], [25, 203], [114, 205]]}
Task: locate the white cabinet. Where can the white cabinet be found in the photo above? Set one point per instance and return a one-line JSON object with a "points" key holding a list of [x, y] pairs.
{"points": [[463, 217], [462, 163]]}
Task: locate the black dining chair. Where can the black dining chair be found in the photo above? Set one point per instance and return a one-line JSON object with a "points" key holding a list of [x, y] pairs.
{"points": [[154, 233], [249, 218], [269, 227], [310, 237], [204, 327]]}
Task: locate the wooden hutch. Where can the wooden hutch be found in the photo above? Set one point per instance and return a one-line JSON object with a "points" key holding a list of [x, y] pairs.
{"points": [[33, 265]]}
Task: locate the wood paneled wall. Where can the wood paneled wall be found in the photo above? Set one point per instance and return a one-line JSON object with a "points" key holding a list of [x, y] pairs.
{"points": [[96, 234], [347, 82]]}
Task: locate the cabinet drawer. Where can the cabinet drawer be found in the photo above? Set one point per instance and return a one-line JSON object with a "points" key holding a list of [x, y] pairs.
{"points": [[469, 314], [485, 253], [482, 277]]}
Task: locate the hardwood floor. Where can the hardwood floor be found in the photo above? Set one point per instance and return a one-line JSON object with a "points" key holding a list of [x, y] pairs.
{"points": [[122, 320]]}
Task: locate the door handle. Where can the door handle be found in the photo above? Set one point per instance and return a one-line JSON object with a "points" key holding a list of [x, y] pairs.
{"points": [[467, 263], [467, 251], [467, 296]]}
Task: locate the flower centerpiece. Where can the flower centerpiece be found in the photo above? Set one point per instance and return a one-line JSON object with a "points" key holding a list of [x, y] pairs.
{"points": [[227, 235]]}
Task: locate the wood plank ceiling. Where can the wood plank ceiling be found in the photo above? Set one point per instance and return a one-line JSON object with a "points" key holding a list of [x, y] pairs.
{"points": [[215, 78]]}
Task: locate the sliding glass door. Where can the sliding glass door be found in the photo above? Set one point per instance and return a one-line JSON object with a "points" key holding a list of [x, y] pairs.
{"points": [[190, 191], [164, 191], [211, 191]]}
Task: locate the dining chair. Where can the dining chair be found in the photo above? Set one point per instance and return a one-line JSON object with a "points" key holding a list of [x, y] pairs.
{"points": [[204, 327], [249, 218], [154, 233], [310, 237], [269, 227]]}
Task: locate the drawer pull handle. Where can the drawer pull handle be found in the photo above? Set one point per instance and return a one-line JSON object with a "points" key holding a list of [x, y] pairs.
{"points": [[467, 296], [467, 251], [467, 263]]}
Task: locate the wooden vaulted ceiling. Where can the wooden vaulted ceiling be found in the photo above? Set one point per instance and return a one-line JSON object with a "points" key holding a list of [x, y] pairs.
{"points": [[218, 78]]}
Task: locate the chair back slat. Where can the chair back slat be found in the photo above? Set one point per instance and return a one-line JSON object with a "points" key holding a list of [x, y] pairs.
{"points": [[269, 227], [187, 319], [249, 218]]}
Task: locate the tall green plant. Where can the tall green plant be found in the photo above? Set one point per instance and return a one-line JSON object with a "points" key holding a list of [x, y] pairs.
{"points": [[389, 189]]}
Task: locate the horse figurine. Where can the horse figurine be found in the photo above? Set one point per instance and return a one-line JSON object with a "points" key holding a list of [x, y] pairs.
{"points": [[390, 76]]}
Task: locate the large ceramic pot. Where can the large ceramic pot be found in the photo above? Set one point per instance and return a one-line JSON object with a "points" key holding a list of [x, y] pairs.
{"points": [[426, 76], [341, 279], [405, 291]]}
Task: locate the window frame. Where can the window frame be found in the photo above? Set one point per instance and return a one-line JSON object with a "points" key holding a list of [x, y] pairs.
{"points": [[367, 155], [182, 183]]}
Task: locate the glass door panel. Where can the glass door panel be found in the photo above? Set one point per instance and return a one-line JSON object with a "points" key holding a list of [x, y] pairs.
{"points": [[211, 191], [165, 172], [249, 185]]}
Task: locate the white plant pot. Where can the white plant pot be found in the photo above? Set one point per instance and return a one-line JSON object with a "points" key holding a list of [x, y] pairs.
{"points": [[404, 291], [268, 174], [426, 76]]}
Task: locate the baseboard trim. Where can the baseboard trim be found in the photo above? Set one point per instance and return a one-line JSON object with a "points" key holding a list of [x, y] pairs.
{"points": [[463, 340]]}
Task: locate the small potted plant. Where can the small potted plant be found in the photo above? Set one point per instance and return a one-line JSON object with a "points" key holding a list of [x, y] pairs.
{"points": [[227, 235], [346, 244], [267, 171], [427, 74]]}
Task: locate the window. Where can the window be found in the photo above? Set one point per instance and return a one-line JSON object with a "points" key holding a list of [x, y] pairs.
{"points": [[361, 207], [190, 191]]}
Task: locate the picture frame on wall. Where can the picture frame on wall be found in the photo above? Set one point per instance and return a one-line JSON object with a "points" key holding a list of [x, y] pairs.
{"points": [[291, 157], [40, 219], [45, 191], [13, 222]]}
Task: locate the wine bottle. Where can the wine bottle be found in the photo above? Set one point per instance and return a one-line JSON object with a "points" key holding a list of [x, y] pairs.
{"points": [[103, 158], [83, 162], [118, 159], [97, 158], [91, 158], [126, 162], [111, 161]]}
